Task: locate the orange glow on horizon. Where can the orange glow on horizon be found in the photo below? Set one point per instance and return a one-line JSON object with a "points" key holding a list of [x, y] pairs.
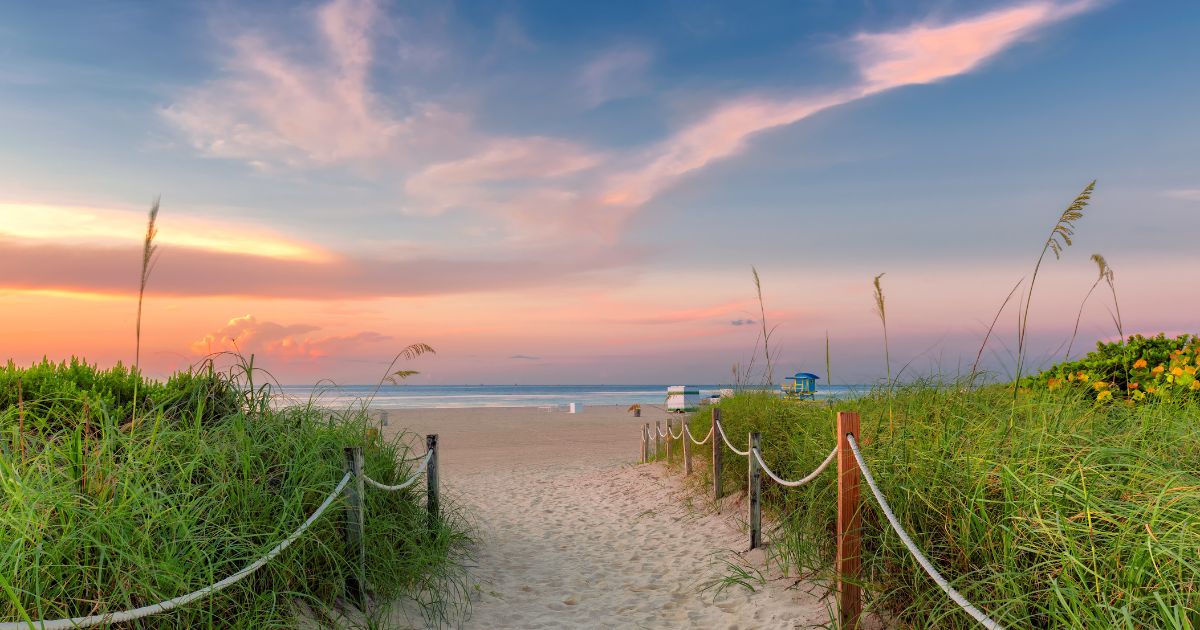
{"points": [[70, 294], [42, 222]]}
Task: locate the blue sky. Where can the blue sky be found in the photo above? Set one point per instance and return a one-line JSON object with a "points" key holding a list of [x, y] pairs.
{"points": [[590, 184]]}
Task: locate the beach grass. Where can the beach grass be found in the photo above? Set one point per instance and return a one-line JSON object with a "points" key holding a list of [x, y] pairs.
{"points": [[99, 514], [1060, 512]]}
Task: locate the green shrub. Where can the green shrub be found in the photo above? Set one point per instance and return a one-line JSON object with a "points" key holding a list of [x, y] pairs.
{"points": [[100, 515], [1053, 513], [1135, 370]]}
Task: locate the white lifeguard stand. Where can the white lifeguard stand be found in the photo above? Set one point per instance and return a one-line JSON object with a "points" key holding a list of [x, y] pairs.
{"points": [[682, 398]]}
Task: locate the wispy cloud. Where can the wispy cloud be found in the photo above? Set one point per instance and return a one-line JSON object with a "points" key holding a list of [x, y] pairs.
{"points": [[932, 51], [680, 316], [268, 107], [1186, 194], [524, 357], [922, 53], [502, 171], [614, 74], [742, 322], [323, 111]]}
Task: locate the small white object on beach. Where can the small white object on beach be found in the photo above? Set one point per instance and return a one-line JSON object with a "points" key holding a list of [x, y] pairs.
{"points": [[575, 408]]}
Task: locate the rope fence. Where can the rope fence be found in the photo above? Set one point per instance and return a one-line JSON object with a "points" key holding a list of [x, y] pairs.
{"points": [[850, 463], [912, 547], [410, 481], [354, 525], [698, 442], [799, 482]]}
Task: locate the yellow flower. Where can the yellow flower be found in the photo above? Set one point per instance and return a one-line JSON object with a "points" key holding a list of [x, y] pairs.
{"points": [[1139, 364], [1194, 385], [1053, 383], [1104, 395], [1099, 385], [1083, 377], [1178, 371], [1150, 389], [1190, 369], [1158, 369], [1134, 386]]}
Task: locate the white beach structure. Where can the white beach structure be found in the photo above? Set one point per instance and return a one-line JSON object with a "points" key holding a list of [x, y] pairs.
{"points": [[682, 398]]}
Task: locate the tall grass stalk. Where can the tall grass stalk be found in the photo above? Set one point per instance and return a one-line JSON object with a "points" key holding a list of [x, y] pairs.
{"points": [[828, 370], [766, 333], [1059, 239], [881, 311], [991, 328], [1110, 278], [149, 251], [1104, 271]]}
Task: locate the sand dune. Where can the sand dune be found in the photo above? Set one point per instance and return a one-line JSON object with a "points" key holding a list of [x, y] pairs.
{"points": [[575, 535]]}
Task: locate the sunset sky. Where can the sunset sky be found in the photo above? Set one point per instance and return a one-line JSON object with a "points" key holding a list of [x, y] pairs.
{"points": [[568, 192]]}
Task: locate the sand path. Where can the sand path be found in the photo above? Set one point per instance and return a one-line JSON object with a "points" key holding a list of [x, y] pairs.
{"points": [[573, 535]]}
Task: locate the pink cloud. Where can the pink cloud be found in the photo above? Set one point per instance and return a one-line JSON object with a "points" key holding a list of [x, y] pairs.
{"points": [[926, 52], [716, 313], [270, 108], [485, 178], [720, 134], [247, 335], [918, 54]]}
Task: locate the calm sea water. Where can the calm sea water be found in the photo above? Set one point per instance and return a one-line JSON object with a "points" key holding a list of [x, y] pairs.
{"points": [[453, 396]]}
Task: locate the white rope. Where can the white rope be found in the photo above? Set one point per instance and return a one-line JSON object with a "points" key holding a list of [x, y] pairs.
{"points": [[673, 436], [701, 442], [721, 430], [912, 547], [792, 484], [408, 482], [161, 607], [661, 432]]}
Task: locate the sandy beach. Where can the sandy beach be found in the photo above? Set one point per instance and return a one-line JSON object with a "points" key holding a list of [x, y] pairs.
{"points": [[575, 534]]}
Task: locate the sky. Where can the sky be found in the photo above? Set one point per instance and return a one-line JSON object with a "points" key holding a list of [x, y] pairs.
{"points": [[552, 192]]}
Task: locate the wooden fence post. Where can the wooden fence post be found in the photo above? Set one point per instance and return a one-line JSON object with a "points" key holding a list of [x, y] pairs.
{"points": [[431, 481], [355, 528], [848, 525], [647, 430], [645, 437], [754, 488], [716, 455], [670, 425], [657, 437], [687, 448]]}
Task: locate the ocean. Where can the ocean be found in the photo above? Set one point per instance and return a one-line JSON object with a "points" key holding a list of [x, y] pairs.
{"points": [[458, 396]]}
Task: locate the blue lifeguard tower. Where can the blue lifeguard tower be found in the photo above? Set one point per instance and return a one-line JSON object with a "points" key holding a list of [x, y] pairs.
{"points": [[802, 385]]}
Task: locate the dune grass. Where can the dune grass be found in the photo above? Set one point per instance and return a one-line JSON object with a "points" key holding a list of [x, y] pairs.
{"points": [[98, 514], [1074, 515]]}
